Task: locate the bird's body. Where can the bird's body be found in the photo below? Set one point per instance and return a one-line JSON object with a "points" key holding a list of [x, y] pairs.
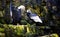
{"points": [[15, 13], [34, 17]]}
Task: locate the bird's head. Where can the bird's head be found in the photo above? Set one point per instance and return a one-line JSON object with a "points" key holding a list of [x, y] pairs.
{"points": [[21, 7], [29, 11]]}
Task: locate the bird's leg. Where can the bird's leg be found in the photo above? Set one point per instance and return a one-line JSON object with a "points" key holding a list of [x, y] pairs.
{"points": [[14, 22]]}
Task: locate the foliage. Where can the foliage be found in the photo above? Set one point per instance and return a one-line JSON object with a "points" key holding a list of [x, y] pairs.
{"points": [[24, 30], [1, 30], [19, 30]]}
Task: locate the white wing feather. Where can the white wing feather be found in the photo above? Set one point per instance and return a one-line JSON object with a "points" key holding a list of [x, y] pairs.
{"points": [[36, 19]]}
